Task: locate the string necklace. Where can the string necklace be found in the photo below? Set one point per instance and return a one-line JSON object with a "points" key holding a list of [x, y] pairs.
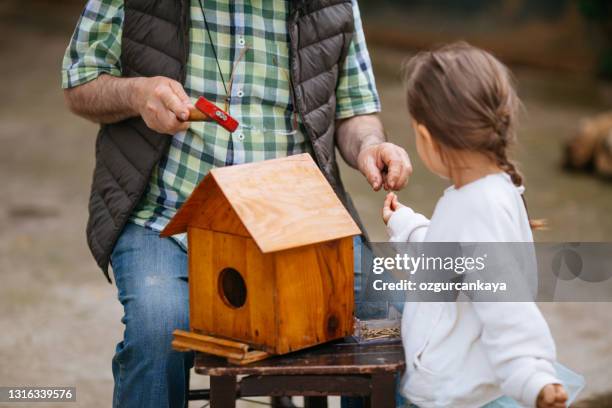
{"points": [[214, 50]]}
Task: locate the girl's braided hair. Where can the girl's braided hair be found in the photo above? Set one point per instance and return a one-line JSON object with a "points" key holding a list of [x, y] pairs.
{"points": [[466, 99]]}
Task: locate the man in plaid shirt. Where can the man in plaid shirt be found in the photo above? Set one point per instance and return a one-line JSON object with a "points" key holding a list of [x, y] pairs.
{"points": [[150, 272]]}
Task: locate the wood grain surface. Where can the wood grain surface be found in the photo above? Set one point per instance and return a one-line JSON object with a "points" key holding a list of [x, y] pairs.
{"points": [[235, 352], [314, 294], [210, 314], [295, 298], [285, 203], [207, 209]]}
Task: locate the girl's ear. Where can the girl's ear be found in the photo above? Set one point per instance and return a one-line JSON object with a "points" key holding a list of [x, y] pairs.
{"points": [[423, 133]]}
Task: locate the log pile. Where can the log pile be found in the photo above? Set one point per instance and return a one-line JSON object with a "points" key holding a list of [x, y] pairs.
{"points": [[591, 147]]}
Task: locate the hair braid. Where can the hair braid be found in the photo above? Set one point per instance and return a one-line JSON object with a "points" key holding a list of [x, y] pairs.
{"points": [[507, 165], [510, 168]]}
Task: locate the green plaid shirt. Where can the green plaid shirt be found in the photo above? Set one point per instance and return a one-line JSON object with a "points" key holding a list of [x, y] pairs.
{"points": [[260, 96]]}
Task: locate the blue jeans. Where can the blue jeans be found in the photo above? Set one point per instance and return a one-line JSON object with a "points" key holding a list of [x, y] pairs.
{"points": [[151, 278]]}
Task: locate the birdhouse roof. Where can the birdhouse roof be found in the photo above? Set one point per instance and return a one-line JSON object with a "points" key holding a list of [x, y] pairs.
{"points": [[280, 203]]}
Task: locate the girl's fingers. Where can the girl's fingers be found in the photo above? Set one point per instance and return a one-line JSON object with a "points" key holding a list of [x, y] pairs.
{"points": [[549, 395], [388, 200], [387, 211], [386, 214], [395, 203], [561, 393], [541, 401], [561, 396]]}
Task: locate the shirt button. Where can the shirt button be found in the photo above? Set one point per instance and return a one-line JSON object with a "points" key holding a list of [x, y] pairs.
{"points": [[240, 94], [241, 41], [241, 136]]}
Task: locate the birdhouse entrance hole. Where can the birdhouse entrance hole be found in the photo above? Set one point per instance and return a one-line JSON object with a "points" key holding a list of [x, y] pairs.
{"points": [[232, 287]]}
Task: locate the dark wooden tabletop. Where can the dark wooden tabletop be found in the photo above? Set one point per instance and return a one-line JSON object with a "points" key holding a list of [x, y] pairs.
{"points": [[330, 358]]}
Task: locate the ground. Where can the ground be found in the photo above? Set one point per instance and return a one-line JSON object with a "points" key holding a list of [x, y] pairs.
{"points": [[60, 319]]}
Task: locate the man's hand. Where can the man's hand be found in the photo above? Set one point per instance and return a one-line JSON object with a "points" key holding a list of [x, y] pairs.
{"points": [[385, 165], [552, 396], [163, 104], [361, 141]]}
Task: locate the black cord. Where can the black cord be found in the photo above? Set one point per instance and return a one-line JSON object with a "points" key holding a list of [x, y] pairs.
{"points": [[214, 50]]}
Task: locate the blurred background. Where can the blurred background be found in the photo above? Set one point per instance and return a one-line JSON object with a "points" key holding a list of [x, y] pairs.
{"points": [[60, 320]]}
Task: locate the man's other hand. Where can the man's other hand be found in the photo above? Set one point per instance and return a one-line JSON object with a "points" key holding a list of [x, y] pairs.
{"points": [[385, 165]]}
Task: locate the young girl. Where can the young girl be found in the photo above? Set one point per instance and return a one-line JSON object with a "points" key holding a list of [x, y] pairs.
{"points": [[470, 354]]}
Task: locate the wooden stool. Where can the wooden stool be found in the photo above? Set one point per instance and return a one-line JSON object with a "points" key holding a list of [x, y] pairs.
{"points": [[331, 369]]}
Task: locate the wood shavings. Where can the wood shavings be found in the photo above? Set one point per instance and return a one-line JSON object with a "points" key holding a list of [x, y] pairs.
{"points": [[386, 332]]}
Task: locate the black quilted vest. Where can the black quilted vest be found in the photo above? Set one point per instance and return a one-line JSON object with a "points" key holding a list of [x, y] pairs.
{"points": [[155, 42]]}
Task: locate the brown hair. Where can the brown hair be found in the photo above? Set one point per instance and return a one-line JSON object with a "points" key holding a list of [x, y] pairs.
{"points": [[465, 97]]}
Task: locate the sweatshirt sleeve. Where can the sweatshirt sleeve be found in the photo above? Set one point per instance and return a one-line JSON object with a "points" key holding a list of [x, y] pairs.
{"points": [[405, 225], [519, 347]]}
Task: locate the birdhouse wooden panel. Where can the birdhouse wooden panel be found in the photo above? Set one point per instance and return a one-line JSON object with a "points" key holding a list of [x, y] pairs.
{"points": [[270, 256]]}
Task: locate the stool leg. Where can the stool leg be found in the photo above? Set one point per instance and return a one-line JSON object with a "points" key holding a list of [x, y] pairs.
{"points": [[223, 391], [315, 402], [383, 390]]}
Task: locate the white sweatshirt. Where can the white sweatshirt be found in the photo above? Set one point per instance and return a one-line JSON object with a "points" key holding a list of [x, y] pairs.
{"points": [[466, 354]]}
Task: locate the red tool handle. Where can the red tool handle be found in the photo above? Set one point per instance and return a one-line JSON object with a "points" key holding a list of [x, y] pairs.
{"points": [[215, 113]]}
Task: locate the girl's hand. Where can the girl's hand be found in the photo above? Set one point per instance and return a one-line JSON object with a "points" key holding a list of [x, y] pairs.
{"points": [[390, 206], [552, 396]]}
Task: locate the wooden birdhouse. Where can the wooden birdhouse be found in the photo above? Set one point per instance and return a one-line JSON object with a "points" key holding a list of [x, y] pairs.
{"points": [[270, 257]]}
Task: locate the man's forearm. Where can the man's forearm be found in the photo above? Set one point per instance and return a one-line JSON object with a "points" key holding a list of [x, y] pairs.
{"points": [[106, 99], [356, 133]]}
